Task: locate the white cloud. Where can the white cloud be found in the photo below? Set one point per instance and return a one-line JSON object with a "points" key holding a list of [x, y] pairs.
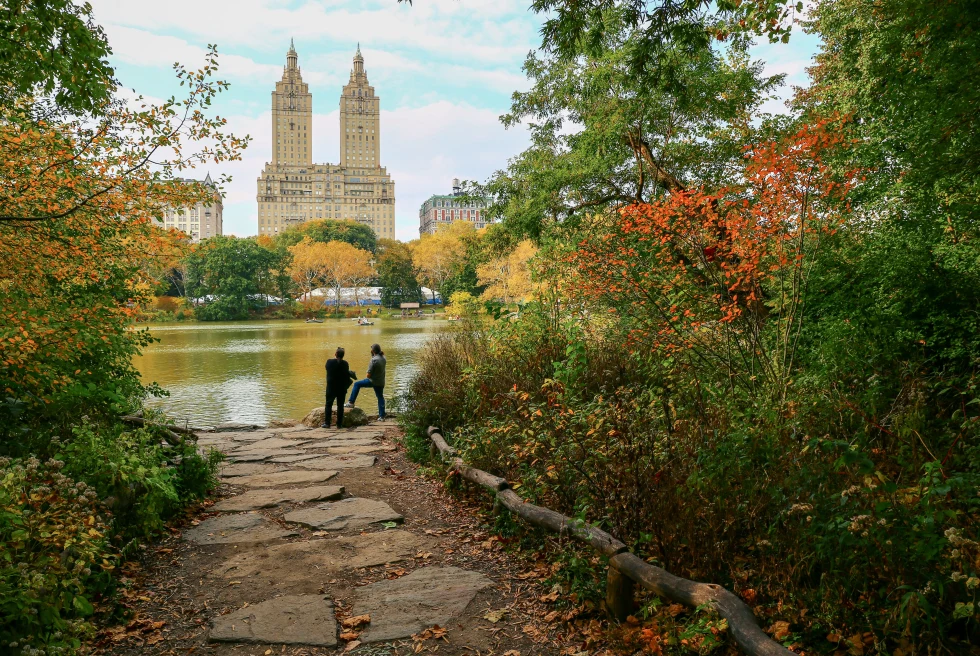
{"points": [[485, 31]]}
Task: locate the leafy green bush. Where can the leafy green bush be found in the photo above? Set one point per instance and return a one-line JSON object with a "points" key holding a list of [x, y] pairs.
{"points": [[55, 557], [63, 523], [142, 481], [824, 527]]}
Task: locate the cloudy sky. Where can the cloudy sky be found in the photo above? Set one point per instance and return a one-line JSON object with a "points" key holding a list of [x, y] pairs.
{"points": [[444, 69]]}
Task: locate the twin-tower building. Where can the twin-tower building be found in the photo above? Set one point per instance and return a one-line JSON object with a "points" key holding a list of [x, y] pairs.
{"points": [[292, 189]]}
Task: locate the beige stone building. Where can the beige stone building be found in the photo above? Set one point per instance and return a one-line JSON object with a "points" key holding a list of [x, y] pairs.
{"points": [[199, 221], [293, 189]]}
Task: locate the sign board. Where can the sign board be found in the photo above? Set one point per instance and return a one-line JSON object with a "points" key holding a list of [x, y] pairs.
{"points": [[410, 306]]}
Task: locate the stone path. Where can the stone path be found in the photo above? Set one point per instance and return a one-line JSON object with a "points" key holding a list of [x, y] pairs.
{"points": [[314, 546]]}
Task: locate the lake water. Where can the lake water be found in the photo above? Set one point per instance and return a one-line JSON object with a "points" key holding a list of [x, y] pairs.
{"points": [[265, 370]]}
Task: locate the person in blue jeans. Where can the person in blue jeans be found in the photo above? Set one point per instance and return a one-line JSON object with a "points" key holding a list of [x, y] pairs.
{"points": [[375, 379]]}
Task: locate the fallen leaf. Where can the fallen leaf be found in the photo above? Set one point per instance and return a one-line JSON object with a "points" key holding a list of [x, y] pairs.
{"points": [[356, 621], [780, 630], [675, 609], [495, 616], [512, 652], [349, 635], [352, 645]]}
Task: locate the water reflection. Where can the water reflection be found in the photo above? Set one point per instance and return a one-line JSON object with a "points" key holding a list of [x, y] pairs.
{"points": [[262, 371]]}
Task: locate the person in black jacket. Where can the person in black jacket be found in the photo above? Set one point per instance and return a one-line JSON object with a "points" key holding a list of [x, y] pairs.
{"points": [[339, 377]]}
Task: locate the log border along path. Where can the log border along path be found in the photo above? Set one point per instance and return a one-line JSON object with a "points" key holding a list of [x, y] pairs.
{"points": [[321, 546], [625, 569]]}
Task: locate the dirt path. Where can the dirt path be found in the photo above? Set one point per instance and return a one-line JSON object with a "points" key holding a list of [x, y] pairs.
{"points": [[324, 542]]}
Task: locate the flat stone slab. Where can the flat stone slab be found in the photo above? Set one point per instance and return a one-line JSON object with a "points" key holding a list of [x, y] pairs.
{"points": [[340, 515], [356, 449], [255, 499], [338, 462], [321, 433], [246, 469], [259, 456], [289, 430], [294, 458], [354, 441], [297, 561], [229, 426], [409, 605], [245, 527], [249, 437], [248, 457], [290, 620], [274, 443], [288, 477]]}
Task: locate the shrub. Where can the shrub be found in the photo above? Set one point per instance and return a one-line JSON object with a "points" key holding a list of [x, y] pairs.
{"points": [[141, 481], [803, 509], [55, 557]]}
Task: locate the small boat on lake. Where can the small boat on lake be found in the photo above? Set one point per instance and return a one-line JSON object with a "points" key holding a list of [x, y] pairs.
{"points": [[314, 321]]}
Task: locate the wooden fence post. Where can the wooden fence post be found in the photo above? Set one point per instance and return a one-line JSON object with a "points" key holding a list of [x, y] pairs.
{"points": [[619, 594]]}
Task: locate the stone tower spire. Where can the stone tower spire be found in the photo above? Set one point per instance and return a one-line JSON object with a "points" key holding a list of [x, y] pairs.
{"points": [[360, 127], [292, 116], [358, 63]]}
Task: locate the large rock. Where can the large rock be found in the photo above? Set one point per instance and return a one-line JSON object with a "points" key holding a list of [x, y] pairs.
{"points": [[338, 462], [289, 477], [292, 620], [293, 562], [409, 605], [246, 527], [340, 515], [255, 499], [352, 417]]}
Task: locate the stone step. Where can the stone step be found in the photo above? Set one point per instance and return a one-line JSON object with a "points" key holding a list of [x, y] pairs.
{"points": [[356, 512], [269, 498], [243, 527], [291, 620]]}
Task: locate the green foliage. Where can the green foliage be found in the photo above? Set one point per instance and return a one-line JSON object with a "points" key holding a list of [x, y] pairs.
{"points": [[142, 483], [53, 48], [639, 138], [327, 230], [63, 523], [232, 270], [396, 274], [55, 557]]}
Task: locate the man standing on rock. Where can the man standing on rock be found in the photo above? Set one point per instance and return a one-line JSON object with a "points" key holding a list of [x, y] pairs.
{"points": [[375, 379], [339, 377]]}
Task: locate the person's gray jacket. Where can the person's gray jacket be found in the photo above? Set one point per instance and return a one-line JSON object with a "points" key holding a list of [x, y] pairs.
{"points": [[376, 370]]}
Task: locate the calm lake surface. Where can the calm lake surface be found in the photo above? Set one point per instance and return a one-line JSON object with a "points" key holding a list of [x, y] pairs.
{"points": [[265, 370]]}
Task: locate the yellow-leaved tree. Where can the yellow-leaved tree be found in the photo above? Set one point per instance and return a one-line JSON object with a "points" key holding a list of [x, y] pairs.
{"points": [[439, 256], [508, 277], [346, 265], [308, 268]]}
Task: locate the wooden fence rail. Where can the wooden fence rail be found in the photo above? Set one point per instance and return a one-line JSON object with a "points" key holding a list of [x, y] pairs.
{"points": [[625, 569]]}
